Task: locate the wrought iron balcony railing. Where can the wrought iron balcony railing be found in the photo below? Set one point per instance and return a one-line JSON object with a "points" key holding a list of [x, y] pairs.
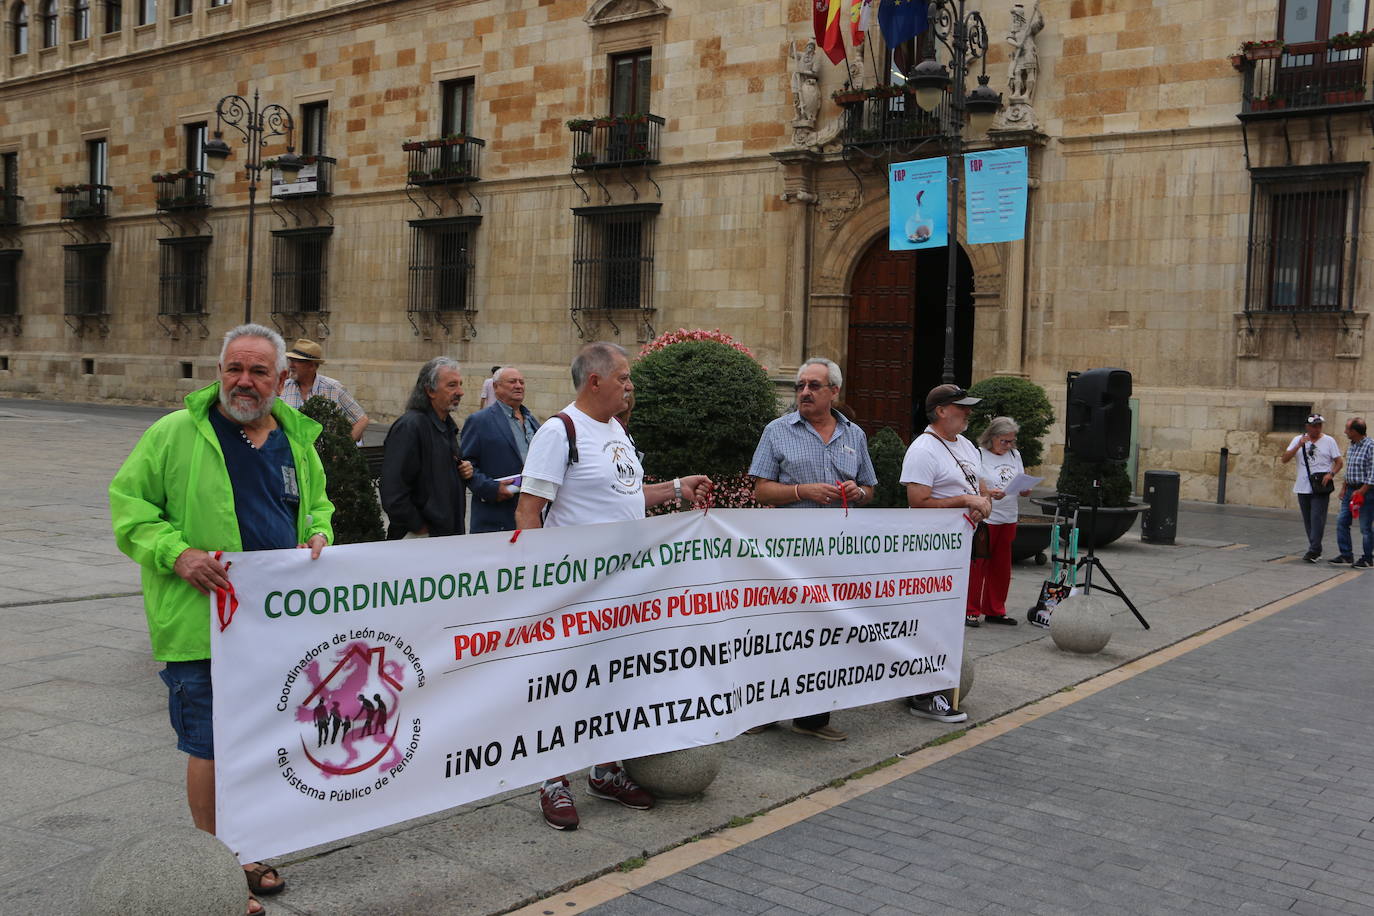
{"points": [[315, 178], [884, 117], [445, 160], [188, 189], [1308, 78], [9, 208], [617, 141], [85, 201]]}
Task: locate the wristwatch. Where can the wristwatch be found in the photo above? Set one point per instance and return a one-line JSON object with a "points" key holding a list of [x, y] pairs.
{"points": [[677, 488]]}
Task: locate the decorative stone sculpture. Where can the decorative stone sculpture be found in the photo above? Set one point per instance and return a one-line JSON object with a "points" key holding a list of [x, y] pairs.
{"points": [[1082, 624], [1023, 68], [196, 873], [806, 89], [678, 776]]}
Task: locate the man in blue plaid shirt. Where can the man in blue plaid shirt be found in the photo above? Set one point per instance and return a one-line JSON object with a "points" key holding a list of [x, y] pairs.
{"points": [[1359, 474]]}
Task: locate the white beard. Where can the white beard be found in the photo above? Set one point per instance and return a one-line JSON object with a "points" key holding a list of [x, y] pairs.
{"points": [[244, 415]]}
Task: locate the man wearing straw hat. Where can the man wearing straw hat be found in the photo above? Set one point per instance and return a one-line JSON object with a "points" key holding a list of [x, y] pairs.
{"points": [[307, 382]]}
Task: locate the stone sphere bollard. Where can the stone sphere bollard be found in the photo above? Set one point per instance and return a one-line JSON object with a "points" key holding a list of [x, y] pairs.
{"points": [[1081, 624], [965, 675], [191, 872], [678, 776]]}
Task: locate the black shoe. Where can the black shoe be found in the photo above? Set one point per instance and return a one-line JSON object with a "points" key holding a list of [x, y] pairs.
{"points": [[971, 620], [1310, 557], [1002, 619], [1362, 563], [1337, 561]]}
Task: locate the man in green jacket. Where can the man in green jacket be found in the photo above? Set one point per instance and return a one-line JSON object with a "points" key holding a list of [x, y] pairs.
{"points": [[236, 470]]}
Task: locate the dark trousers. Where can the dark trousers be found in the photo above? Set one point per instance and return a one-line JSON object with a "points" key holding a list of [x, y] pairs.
{"points": [[816, 721], [1313, 509]]}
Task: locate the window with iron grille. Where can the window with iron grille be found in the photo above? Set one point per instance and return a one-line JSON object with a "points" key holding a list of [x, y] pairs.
{"points": [[85, 279], [300, 270], [613, 257], [1290, 418], [441, 264], [9, 282], [1304, 237], [182, 279]]}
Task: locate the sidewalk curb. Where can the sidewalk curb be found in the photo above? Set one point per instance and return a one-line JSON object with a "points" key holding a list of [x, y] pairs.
{"points": [[611, 885]]}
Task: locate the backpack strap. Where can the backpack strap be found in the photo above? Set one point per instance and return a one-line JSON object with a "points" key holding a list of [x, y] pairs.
{"points": [[571, 430]]}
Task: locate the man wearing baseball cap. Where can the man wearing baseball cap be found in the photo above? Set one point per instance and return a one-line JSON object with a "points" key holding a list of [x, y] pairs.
{"points": [[1319, 457], [307, 382], [940, 471]]}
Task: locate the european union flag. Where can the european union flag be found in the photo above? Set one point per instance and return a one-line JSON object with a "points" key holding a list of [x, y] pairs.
{"points": [[901, 20]]}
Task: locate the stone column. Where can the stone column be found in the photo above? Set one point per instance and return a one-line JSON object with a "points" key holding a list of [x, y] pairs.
{"points": [[799, 191]]}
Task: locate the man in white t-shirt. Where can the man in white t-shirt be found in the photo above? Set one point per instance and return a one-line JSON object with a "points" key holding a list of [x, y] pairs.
{"points": [[1317, 453], [603, 482], [940, 471]]}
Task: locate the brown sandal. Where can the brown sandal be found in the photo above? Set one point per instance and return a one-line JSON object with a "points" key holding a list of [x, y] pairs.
{"points": [[255, 876], [260, 911]]}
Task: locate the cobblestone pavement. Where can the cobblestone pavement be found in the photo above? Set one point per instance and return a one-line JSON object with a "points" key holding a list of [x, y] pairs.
{"points": [[90, 759], [1233, 779]]}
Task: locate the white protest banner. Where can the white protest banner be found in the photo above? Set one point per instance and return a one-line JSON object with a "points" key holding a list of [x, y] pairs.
{"points": [[387, 681]]}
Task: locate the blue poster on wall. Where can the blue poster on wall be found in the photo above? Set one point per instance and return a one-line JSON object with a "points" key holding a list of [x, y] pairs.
{"points": [[917, 205], [995, 190]]}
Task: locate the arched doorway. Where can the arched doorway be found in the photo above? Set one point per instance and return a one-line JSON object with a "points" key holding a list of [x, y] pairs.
{"points": [[897, 334]]}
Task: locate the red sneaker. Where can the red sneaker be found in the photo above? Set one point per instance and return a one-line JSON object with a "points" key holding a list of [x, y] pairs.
{"points": [[557, 805], [616, 786]]}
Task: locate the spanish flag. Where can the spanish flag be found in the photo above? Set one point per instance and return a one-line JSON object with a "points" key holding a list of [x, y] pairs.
{"points": [[826, 18], [858, 20]]}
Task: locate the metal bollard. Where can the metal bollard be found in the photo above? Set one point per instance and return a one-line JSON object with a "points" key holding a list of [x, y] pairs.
{"points": [[1221, 475], [1160, 521]]}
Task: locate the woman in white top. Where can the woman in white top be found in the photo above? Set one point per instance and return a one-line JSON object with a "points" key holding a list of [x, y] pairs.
{"points": [[990, 578]]}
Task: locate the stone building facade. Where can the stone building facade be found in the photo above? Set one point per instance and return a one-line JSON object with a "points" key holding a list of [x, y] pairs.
{"points": [[624, 166]]}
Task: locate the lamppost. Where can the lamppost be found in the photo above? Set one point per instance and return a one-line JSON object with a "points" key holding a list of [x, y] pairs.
{"points": [[256, 123], [965, 38]]}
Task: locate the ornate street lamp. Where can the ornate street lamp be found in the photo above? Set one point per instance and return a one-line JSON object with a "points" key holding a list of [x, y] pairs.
{"points": [[965, 39], [256, 123]]}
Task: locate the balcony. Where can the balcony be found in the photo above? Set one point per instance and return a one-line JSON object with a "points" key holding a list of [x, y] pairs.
{"points": [[455, 159], [616, 141], [85, 201], [187, 189], [315, 178], [1313, 78], [886, 118], [9, 208]]}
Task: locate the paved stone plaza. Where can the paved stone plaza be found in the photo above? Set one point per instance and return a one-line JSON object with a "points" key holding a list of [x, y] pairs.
{"points": [[1039, 819]]}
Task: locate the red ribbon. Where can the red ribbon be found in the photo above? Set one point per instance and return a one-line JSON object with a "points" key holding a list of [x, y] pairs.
{"points": [[515, 537], [226, 602], [844, 497]]}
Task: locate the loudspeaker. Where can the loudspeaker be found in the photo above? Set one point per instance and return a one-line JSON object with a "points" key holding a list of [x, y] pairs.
{"points": [[1099, 415]]}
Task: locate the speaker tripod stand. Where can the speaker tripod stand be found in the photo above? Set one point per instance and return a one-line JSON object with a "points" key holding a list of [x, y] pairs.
{"points": [[1092, 562]]}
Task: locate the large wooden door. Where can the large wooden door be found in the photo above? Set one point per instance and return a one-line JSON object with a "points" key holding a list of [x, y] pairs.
{"points": [[897, 334], [882, 320]]}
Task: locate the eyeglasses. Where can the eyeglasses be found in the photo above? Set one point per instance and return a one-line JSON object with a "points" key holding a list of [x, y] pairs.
{"points": [[1006, 440], [812, 384]]}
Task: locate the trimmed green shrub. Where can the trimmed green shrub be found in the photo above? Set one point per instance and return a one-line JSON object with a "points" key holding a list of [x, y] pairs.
{"points": [[1023, 401], [357, 515], [700, 406], [1077, 476], [887, 451]]}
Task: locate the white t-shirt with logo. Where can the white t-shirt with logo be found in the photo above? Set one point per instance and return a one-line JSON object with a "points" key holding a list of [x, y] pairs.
{"points": [[928, 462], [605, 485], [1325, 451], [997, 471]]}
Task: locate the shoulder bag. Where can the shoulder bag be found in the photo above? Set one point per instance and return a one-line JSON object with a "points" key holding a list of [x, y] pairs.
{"points": [[981, 549], [1320, 486]]}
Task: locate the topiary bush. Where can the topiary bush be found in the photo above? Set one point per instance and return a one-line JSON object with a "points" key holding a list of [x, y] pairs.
{"points": [[887, 451], [357, 514], [1023, 401], [1076, 476], [700, 405]]}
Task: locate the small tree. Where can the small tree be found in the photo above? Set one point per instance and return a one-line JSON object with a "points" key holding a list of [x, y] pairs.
{"points": [[887, 451], [701, 402], [1023, 401], [357, 515]]}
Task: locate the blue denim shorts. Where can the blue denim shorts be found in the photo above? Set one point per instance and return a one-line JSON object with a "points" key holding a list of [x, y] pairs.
{"points": [[190, 700]]}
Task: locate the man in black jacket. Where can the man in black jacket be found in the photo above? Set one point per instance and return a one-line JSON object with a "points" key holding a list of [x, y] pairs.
{"points": [[423, 473]]}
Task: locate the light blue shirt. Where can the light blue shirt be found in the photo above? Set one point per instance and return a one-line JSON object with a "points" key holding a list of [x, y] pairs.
{"points": [[790, 451]]}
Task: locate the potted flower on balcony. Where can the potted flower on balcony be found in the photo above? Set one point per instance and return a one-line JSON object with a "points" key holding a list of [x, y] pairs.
{"points": [[586, 157], [1262, 50], [412, 146], [415, 176], [580, 125], [1345, 95], [1347, 40], [848, 96], [1268, 102], [1238, 62]]}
